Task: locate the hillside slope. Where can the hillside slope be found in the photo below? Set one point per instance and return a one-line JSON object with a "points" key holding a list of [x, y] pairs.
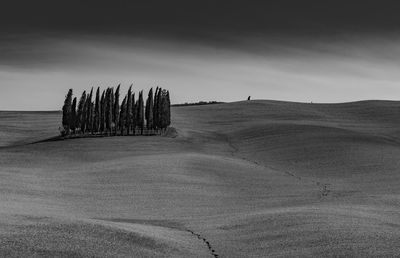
{"points": [[258, 178], [332, 142], [21, 127]]}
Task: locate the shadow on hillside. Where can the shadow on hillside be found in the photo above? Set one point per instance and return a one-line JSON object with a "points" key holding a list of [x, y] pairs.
{"points": [[170, 132]]}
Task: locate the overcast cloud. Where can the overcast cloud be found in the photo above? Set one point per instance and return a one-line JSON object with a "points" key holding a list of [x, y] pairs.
{"points": [[334, 51]]}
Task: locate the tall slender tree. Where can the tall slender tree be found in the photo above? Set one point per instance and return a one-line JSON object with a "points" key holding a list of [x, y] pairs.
{"points": [[97, 111], [129, 110], [122, 116], [112, 125], [155, 109], [73, 116], [149, 110], [108, 110], [81, 112], [168, 109], [89, 112], [103, 111], [165, 107], [92, 129], [116, 109], [66, 119], [159, 109], [133, 114], [140, 114], [84, 115]]}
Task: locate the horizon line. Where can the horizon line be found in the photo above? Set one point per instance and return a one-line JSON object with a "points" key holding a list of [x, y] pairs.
{"points": [[225, 102]]}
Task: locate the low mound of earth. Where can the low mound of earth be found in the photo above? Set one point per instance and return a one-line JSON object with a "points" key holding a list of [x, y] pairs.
{"points": [[244, 179]]}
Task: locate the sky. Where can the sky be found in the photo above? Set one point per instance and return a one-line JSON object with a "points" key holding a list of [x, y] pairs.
{"points": [[320, 51]]}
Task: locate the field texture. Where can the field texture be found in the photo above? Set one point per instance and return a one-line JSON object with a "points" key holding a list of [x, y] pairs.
{"points": [[244, 179]]}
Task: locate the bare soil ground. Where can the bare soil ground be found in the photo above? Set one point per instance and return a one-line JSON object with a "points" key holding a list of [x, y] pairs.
{"points": [[244, 179]]}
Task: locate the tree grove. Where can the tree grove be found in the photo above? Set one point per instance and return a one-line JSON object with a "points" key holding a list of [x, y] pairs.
{"points": [[105, 115]]}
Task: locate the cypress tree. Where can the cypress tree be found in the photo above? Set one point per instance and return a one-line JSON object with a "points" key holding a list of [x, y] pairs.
{"points": [[146, 111], [116, 109], [149, 110], [122, 116], [102, 111], [164, 110], [89, 111], [73, 116], [168, 109], [92, 117], [134, 113], [137, 112], [108, 110], [83, 115], [97, 112], [155, 110], [159, 110], [66, 119], [140, 114], [81, 112], [129, 109], [108, 122], [90, 114], [112, 125]]}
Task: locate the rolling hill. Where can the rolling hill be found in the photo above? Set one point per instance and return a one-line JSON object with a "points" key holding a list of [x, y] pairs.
{"points": [[243, 179]]}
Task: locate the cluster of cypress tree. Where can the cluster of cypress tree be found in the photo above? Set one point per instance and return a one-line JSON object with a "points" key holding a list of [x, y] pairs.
{"points": [[103, 114]]}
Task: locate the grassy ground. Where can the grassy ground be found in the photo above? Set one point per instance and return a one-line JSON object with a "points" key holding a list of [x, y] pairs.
{"points": [[24, 127], [258, 178]]}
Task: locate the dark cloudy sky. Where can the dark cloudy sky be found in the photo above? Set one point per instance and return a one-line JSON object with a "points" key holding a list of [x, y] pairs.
{"points": [[321, 51]]}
